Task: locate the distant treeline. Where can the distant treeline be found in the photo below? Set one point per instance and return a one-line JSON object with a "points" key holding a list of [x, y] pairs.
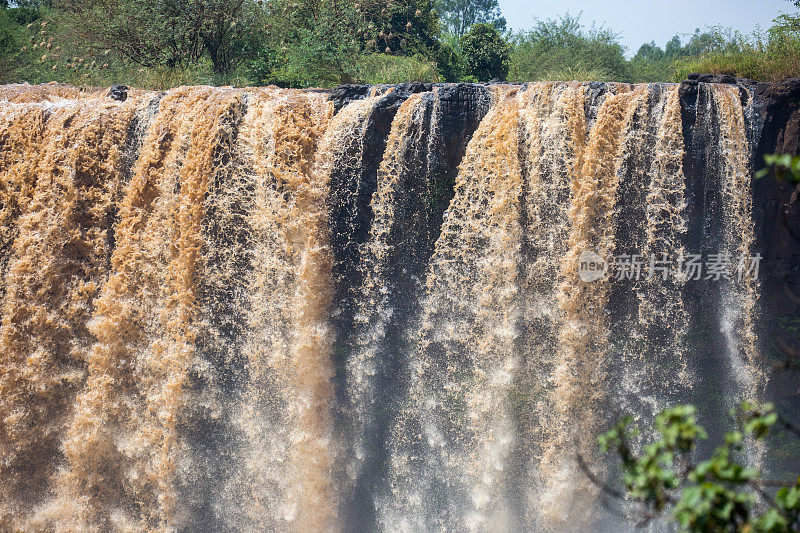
{"points": [[304, 43]]}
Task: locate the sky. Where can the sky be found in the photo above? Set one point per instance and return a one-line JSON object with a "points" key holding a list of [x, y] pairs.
{"points": [[641, 21]]}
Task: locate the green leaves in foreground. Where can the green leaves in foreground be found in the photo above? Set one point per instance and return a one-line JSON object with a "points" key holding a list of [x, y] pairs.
{"points": [[717, 494], [784, 164]]}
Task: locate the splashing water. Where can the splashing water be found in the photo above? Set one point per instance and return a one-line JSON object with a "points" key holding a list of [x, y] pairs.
{"points": [[250, 309]]}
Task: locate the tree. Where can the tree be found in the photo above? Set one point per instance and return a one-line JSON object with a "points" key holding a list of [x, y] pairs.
{"points": [[460, 15], [168, 32], [704, 42], [309, 42], [650, 64], [227, 29], [400, 28], [448, 63], [485, 53], [147, 33], [717, 494], [674, 47], [649, 52], [325, 42]]}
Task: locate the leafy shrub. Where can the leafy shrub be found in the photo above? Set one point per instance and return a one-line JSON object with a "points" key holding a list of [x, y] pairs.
{"points": [[716, 494], [555, 46], [448, 63], [577, 72], [771, 56], [10, 37], [485, 53], [23, 15], [383, 68], [651, 71], [783, 165], [6, 32], [404, 28], [268, 69]]}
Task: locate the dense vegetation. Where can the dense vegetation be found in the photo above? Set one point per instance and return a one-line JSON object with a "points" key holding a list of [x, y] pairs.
{"points": [[720, 493], [299, 43]]}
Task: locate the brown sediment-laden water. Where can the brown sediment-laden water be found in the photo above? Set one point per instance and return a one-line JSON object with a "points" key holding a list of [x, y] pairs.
{"points": [[286, 310]]}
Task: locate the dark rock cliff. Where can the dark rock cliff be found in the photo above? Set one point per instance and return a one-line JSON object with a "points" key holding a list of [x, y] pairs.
{"points": [[772, 116]]}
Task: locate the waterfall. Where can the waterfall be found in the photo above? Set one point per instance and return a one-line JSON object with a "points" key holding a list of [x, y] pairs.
{"points": [[286, 310]]}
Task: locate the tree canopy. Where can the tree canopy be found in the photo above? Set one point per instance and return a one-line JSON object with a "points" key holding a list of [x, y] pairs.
{"points": [[301, 43], [460, 15], [485, 53], [169, 32]]}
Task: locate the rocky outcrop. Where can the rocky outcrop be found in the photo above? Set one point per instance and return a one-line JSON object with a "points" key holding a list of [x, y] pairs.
{"points": [[774, 127], [119, 92]]}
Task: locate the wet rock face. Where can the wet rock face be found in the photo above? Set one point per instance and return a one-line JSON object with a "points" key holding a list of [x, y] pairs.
{"points": [[776, 203], [714, 78], [773, 124], [119, 92], [776, 206], [774, 127], [780, 107]]}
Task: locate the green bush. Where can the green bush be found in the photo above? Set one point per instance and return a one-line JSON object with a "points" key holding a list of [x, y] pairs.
{"points": [[485, 53], [783, 165], [23, 15], [383, 68], [770, 57], [652, 64], [651, 71], [406, 28], [449, 64], [312, 43], [10, 34], [268, 69], [554, 47], [576, 72], [6, 32]]}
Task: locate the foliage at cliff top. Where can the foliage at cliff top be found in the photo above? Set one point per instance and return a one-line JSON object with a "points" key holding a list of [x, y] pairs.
{"points": [[302, 43], [485, 53]]}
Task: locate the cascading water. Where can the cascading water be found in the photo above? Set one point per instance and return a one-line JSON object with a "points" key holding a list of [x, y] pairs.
{"points": [[267, 309]]}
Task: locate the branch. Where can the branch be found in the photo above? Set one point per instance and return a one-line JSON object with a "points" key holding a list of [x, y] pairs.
{"points": [[788, 426], [648, 516], [764, 494], [597, 481], [772, 482]]}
